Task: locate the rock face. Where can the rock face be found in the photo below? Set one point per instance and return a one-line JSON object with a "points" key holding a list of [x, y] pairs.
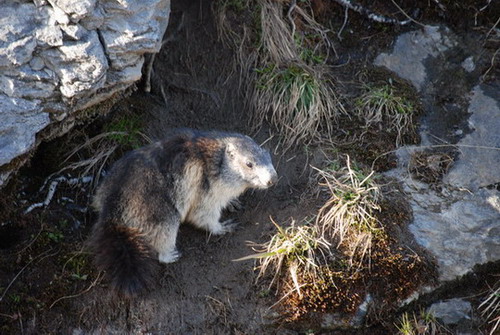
{"points": [[417, 45], [60, 56], [458, 221]]}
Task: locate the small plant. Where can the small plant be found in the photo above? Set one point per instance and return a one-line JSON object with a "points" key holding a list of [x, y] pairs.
{"points": [[296, 101], [423, 324], [348, 215], [55, 236], [309, 50], [76, 265], [15, 298], [310, 57], [288, 47], [381, 106], [294, 247], [126, 132]]}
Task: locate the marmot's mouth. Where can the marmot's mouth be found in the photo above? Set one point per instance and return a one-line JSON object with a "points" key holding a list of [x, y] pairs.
{"points": [[266, 177]]}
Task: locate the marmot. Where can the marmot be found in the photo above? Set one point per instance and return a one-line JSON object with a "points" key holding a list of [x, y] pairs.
{"points": [[191, 176]]}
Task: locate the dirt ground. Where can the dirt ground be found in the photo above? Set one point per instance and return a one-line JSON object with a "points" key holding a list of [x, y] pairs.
{"points": [[48, 284]]}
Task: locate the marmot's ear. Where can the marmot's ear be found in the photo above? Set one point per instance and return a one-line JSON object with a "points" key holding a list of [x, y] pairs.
{"points": [[230, 149]]}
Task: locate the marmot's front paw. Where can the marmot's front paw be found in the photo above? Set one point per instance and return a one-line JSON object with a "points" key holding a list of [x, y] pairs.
{"points": [[227, 226], [169, 257], [234, 206]]}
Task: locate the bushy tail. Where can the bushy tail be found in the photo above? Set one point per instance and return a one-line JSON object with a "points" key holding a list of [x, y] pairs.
{"points": [[125, 256]]}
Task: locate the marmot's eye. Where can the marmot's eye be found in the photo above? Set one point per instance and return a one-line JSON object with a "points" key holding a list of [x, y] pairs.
{"points": [[250, 164]]}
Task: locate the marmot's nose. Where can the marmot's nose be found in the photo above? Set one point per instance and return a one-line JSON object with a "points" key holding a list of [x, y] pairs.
{"points": [[273, 180]]}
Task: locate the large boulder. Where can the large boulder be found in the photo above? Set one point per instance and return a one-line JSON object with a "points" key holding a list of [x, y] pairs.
{"points": [[457, 221], [58, 57]]}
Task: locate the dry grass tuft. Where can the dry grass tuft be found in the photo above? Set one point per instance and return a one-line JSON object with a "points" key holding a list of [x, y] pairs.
{"points": [[91, 156], [321, 265], [490, 309], [278, 45], [381, 106], [297, 101], [282, 50], [226, 12], [294, 247], [343, 230], [348, 215], [430, 166]]}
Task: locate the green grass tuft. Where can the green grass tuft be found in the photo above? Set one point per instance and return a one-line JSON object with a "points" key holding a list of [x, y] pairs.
{"points": [[381, 105], [297, 101]]}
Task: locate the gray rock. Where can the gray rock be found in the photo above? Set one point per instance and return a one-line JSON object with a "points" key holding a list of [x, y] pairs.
{"points": [[37, 63], [81, 66], [468, 64], [21, 119], [77, 9], [48, 33], [64, 56], [461, 235], [452, 311], [459, 222], [410, 51], [335, 321], [479, 150], [139, 36], [74, 31]]}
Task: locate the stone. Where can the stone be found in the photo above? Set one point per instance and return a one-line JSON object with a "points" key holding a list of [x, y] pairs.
{"points": [[479, 151], [462, 235], [70, 54], [81, 66], [77, 9], [37, 63], [48, 34], [21, 119], [468, 64], [452, 311], [412, 49], [122, 34], [28, 83], [458, 222], [18, 52], [74, 31], [94, 20], [335, 321]]}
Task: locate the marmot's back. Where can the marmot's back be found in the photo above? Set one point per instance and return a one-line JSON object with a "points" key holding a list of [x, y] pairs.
{"points": [[190, 176]]}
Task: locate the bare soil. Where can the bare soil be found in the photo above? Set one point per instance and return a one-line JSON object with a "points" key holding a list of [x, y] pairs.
{"points": [[48, 284]]}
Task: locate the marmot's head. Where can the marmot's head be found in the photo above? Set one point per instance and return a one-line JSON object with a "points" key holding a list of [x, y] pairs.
{"points": [[250, 163]]}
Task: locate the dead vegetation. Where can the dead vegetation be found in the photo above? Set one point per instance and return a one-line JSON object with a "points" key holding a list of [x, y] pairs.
{"points": [[295, 248], [490, 308], [297, 100], [282, 58], [348, 216], [430, 166], [320, 264]]}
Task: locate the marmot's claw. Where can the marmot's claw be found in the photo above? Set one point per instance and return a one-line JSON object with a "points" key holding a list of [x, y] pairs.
{"points": [[235, 205], [229, 225], [170, 257]]}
